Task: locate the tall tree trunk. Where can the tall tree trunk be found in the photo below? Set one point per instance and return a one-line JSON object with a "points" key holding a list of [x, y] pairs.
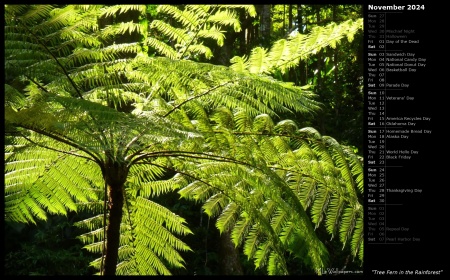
{"points": [[319, 67], [224, 54], [115, 175], [290, 18], [302, 66], [245, 33], [336, 73], [265, 24], [229, 256]]}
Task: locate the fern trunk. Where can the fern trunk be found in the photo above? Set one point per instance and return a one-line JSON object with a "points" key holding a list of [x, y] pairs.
{"points": [[115, 179], [229, 256]]}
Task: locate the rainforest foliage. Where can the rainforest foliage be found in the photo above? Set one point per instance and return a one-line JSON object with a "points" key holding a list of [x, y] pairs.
{"points": [[183, 139]]}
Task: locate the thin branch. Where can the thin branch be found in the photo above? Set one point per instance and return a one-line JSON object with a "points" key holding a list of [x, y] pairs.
{"points": [[188, 175], [129, 157], [104, 228], [56, 150], [36, 83], [189, 154], [197, 96], [266, 134], [127, 147], [198, 31], [65, 140], [55, 58]]}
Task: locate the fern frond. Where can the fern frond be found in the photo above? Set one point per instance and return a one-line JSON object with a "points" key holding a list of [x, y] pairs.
{"points": [[176, 34], [228, 217], [213, 33], [257, 61], [119, 9], [252, 242], [349, 218], [49, 180], [122, 28], [214, 204], [187, 17], [226, 17], [155, 240], [239, 64], [357, 242], [334, 214], [285, 54]]}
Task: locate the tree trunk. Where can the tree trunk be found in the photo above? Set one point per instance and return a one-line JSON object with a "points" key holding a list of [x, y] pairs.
{"points": [[246, 23], [115, 177], [229, 256], [302, 66], [224, 54], [290, 18], [265, 24]]}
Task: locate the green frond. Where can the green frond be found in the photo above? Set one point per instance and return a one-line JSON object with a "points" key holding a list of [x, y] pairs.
{"points": [[94, 240], [276, 265], [285, 54], [334, 214], [357, 169], [146, 176], [160, 215], [348, 223], [357, 243], [81, 110], [228, 217], [239, 64], [156, 188], [196, 191], [36, 13], [250, 9], [226, 17], [148, 263], [279, 50], [112, 10], [343, 163], [176, 34], [223, 117], [122, 28], [198, 22], [263, 123], [252, 242], [213, 33], [128, 268], [91, 223], [241, 229], [95, 248], [257, 61], [198, 49], [320, 205], [154, 240], [46, 179], [279, 219], [214, 204], [188, 18]]}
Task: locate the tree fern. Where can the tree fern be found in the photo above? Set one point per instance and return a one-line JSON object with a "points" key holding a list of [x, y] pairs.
{"points": [[96, 126]]}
